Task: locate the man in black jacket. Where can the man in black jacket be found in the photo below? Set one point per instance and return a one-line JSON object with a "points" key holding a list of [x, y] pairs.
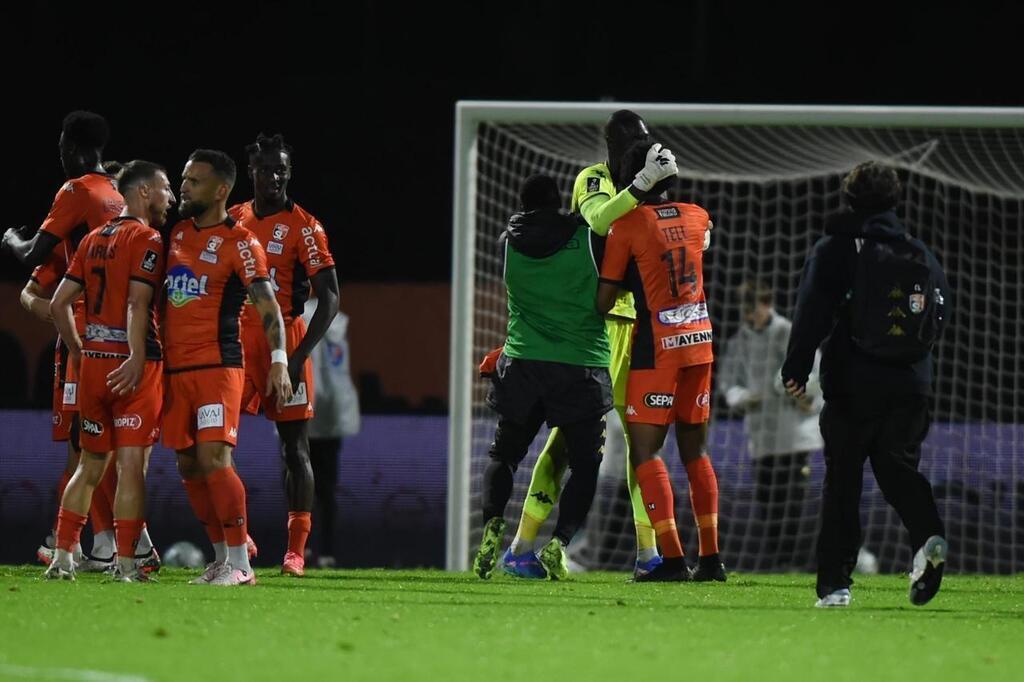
{"points": [[877, 394]]}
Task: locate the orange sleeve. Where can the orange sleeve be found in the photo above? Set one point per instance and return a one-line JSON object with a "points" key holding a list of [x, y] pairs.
{"points": [[147, 258], [48, 274], [69, 210], [249, 259], [313, 252], [617, 252]]}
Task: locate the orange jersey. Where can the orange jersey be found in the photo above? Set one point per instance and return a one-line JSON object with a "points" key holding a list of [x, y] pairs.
{"points": [[83, 204], [657, 251], [49, 274], [296, 247], [208, 271], [105, 263]]}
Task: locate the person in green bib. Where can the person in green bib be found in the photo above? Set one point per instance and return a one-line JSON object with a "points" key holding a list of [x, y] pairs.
{"points": [[596, 199], [553, 368]]}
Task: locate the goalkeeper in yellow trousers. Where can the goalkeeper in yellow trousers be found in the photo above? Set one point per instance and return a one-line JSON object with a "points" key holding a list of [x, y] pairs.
{"points": [[595, 198]]}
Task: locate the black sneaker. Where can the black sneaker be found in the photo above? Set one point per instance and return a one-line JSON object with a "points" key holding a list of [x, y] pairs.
{"points": [[709, 568], [668, 571], [929, 563]]}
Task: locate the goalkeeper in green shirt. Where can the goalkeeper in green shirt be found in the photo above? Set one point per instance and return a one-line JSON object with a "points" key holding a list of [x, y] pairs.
{"points": [[595, 198]]}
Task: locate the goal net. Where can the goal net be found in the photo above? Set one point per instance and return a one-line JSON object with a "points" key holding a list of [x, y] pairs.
{"points": [[769, 176]]}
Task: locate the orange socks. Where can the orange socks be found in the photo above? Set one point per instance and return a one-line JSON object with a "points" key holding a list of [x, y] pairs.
{"points": [[298, 530], [704, 500], [127, 532], [202, 507], [228, 497], [656, 489], [69, 528]]}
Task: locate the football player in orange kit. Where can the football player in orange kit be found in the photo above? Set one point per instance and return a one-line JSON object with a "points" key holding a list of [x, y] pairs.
{"points": [[117, 268], [213, 262], [297, 258], [657, 252], [86, 201]]}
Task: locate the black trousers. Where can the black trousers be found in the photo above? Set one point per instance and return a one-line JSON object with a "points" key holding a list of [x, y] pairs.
{"points": [[889, 431], [323, 456], [584, 441], [780, 490]]}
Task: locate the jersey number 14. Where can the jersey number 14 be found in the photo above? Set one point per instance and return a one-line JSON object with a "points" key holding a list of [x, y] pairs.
{"points": [[685, 274]]}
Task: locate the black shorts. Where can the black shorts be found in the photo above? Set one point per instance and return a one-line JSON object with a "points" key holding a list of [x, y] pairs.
{"points": [[566, 393]]}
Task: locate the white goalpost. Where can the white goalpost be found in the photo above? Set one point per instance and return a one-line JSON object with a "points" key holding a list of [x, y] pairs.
{"points": [[769, 175]]}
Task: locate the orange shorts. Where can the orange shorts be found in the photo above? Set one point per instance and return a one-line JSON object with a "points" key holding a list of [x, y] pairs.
{"points": [[201, 405], [663, 396], [65, 395], [257, 367], [110, 421]]}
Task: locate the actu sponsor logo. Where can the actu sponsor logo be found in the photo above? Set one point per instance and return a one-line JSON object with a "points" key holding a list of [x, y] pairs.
{"points": [[683, 340], [245, 252], [312, 250], [659, 400]]}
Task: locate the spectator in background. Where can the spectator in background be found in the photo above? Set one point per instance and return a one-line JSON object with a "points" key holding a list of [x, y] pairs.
{"points": [[335, 417], [782, 431]]}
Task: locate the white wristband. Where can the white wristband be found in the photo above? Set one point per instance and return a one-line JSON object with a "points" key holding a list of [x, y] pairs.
{"points": [[278, 356]]}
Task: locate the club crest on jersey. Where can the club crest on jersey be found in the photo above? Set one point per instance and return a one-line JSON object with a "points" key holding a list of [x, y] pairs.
{"points": [[917, 303], [280, 231], [214, 243], [183, 286], [593, 184]]}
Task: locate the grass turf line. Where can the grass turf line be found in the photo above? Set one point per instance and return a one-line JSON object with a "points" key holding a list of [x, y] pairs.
{"points": [[420, 625]]}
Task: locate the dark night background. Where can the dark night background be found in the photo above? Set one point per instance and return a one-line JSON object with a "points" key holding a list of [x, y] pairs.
{"points": [[365, 91]]}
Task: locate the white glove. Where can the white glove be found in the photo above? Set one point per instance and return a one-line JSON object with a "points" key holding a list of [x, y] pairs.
{"points": [[661, 164], [707, 235]]}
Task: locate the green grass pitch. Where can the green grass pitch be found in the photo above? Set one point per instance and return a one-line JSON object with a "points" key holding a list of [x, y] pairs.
{"points": [[429, 625]]}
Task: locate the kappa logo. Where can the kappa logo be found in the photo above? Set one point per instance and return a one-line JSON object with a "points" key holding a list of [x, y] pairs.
{"points": [[70, 393], [149, 261], [214, 243], [543, 498], [69, 187], [91, 427], [683, 340], [280, 232], [179, 236], [128, 421], [155, 237], [630, 411], [704, 399], [210, 416], [183, 286], [232, 432], [659, 400]]}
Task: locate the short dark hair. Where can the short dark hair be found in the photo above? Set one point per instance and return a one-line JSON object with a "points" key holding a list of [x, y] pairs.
{"points": [[136, 172], [755, 290], [872, 186], [86, 130], [633, 161], [112, 167], [538, 192], [268, 143], [223, 165], [625, 125]]}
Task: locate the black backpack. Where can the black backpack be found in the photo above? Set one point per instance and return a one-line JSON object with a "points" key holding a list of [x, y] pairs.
{"points": [[896, 302]]}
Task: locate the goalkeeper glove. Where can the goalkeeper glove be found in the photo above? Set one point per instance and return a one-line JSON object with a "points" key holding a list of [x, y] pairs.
{"points": [[661, 163]]}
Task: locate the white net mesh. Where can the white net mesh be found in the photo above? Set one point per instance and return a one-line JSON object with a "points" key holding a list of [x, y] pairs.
{"points": [[768, 190]]}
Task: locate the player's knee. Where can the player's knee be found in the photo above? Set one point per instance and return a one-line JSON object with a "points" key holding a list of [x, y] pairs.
{"points": [[511, 441]]}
